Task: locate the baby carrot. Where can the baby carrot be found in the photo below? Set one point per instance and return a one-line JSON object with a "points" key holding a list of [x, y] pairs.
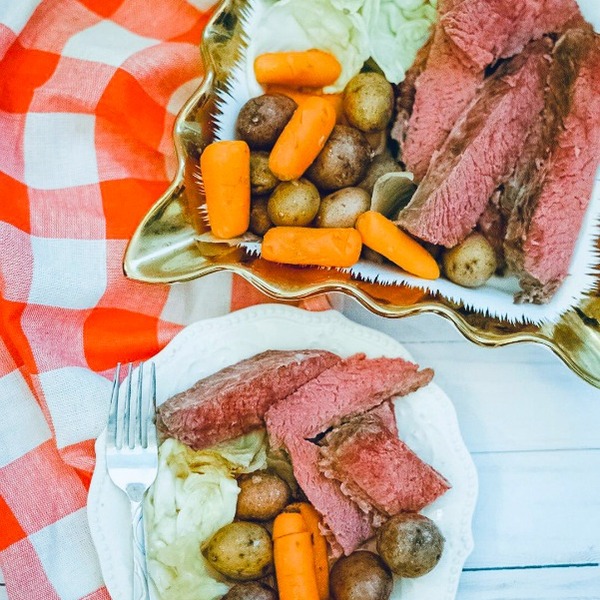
{"points": [[287, 523], [313, 520], [383, 236], [302, 138], [294, 567], [225, 168], [308, 68], [299, 96], [327, 247]]}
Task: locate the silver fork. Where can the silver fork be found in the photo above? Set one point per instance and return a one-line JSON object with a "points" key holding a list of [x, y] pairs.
{"points": [[132, 457]]}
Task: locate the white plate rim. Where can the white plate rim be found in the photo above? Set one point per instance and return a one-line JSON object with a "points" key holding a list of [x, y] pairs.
{"points": [[104, 497]]}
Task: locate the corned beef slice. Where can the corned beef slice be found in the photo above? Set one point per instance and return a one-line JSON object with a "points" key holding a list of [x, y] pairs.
{"points": [[554, 191], [376, 469], [351, 387], [480, 152], [442, 92], [405, 94], [492, 225], [234, 400], [486, 30], [387, 414], [346, 526]]}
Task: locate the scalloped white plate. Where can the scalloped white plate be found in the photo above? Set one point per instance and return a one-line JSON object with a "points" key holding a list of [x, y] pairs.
{"points": [[426, 421]]}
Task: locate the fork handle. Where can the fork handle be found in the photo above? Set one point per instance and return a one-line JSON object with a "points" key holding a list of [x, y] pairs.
{"points": [[140, 572]]}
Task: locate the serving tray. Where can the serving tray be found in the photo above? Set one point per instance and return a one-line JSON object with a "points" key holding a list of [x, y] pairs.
{"points": [[164, 248]]}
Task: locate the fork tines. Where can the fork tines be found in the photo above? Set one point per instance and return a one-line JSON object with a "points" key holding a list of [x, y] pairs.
{"points": [[130, 420]]}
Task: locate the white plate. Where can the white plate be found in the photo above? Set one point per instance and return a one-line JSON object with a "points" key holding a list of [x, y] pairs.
{"points": [[426, 422]]}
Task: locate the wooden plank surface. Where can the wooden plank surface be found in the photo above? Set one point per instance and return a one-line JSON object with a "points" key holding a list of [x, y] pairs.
{"points": [[562, 583], [533, 428], [537, 508], [3, 594]]}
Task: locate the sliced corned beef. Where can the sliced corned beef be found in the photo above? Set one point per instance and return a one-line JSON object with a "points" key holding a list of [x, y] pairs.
{"points": [[486, 30], [234, 400], [547, 197], [346, 526], [405, 95], [480, 152], [442, 91], [378, 470], [492, 225], [387, 414], [350, 387]]}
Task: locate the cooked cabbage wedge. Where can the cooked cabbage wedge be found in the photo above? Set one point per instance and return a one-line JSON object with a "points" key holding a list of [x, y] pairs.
{"points": [[194, 495]]}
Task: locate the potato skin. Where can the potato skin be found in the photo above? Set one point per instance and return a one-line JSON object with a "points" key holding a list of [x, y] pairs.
{"points": [[471, 263], [242, 551], [342, 162], [262, 180], [253, 590], [342, 208], [259, 217], [263, 496], [262, 119], [294, 203], [360, 576], [410, 544], [368, 102]]}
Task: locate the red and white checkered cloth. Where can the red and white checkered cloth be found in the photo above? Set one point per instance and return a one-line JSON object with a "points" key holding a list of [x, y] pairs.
{"points": [[89, 90]]}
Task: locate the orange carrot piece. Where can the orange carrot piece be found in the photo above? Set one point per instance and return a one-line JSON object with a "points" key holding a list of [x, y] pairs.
{"points": [[300, 96], [302, 138], [383, 236], [308, 68], [288, 523], [225, 168], [319, 544], [294, 567], [327, 247]]}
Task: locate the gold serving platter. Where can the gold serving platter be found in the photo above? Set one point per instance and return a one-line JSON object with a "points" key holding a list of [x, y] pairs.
{"points": [[164, 248]]}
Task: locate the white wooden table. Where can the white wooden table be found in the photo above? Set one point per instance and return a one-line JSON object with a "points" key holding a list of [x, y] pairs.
{"points": [[533, 428]]}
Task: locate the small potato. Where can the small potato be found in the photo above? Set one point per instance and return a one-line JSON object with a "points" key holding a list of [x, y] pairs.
{"points": [[241, 551], [368, 102], [410, 544], [360, 576], [259, 217], [342, 208], [342, 162], [262, 180], [294, 203], [471, 263], [250, 591], [262, 119], [262, 496]]}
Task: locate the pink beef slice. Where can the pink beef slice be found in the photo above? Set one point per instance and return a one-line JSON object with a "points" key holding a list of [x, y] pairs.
{"points": [[492, 225], [234, 400], [376, 469], [480, 152], [350, 387], [486, 30], [546, 218], [405, 94], [346, 526], [387, 414], [442, 91]]}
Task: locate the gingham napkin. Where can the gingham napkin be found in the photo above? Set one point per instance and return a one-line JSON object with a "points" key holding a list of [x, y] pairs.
{"points": [[89, 90]]}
